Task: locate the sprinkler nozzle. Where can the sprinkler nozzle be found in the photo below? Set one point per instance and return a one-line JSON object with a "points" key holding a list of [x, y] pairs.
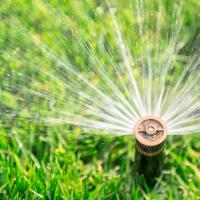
{"points": [[150, 134]]}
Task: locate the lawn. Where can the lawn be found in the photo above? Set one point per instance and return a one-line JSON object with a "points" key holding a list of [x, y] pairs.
{"points": [[52, 161]]}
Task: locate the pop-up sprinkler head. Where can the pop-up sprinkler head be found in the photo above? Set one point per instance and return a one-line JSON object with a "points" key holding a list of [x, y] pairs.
{"points": [[150, 133]]}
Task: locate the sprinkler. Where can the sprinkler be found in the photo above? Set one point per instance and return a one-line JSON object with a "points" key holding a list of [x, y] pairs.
{"points": [[150, 134]]}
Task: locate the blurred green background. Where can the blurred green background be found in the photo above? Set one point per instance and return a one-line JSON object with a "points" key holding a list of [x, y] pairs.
{"points": [[40, 161]]}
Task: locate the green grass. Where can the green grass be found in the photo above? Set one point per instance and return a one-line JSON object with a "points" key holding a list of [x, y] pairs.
{"points": [[62, 162], [94, 168]]}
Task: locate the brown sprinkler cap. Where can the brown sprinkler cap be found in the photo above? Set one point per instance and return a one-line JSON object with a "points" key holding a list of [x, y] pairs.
{"points": [[150, 131]]}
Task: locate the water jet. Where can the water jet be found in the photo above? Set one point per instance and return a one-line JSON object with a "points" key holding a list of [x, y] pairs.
{"points": [[100, 71]]}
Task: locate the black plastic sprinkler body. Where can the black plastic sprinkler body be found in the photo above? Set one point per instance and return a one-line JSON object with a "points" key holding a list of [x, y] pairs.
{"points": [[150, 134]]}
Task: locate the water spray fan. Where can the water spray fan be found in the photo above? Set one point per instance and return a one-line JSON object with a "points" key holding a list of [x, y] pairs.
{"points": [[116, 82]]}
